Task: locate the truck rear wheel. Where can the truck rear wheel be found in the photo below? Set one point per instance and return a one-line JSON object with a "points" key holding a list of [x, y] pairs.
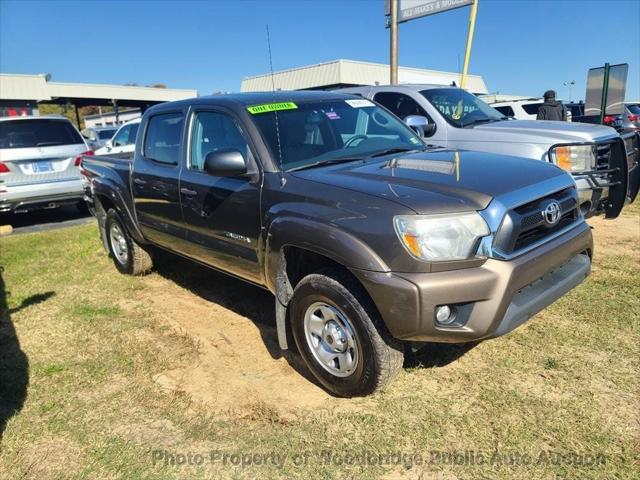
{"points": [[127, 255], [341, 336]]}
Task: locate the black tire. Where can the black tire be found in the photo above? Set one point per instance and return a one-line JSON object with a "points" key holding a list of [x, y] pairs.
{"points": [[137, 260], [380, 357]]}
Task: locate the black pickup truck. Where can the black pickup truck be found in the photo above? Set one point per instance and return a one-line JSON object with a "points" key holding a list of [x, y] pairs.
{"points": [[367, 238]]}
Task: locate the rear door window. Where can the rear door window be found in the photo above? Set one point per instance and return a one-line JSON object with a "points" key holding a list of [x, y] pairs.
{"points": [[531, 108], [37, 133], [506, 110], [162, 141]]}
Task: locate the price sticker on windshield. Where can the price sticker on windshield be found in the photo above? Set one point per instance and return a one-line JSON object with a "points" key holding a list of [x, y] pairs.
{"points": [[271, 107], [359, 103]]}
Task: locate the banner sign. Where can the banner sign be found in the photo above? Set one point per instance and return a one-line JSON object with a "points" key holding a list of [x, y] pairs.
{"points": [[411, 9]]}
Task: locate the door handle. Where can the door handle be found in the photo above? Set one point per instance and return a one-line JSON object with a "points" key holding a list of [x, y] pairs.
{"points": [[138, 181], [188, 192]]}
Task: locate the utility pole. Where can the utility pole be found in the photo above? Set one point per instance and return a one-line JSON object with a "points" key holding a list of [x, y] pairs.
{"points": [[394, 43]]}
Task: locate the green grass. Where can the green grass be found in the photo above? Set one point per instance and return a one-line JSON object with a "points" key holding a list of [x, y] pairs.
{"points": [[79, 351]]}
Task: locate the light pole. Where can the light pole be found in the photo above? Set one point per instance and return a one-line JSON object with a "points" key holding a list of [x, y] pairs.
{"points": [[570, 84]]}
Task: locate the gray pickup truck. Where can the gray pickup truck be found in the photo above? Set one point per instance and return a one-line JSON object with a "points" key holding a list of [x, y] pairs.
{"points": [[367, 238], [603, 164]]}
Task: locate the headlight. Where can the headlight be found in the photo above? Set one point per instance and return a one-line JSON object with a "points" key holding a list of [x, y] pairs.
{"points": [[574, 158], [441, 237]]}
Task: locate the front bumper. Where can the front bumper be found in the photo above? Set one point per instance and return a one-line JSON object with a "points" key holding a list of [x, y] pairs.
{"points": [[40, 195], [490, 300]]}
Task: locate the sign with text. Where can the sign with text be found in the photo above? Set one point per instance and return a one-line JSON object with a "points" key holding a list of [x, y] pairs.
{"points": [[411, 9]]}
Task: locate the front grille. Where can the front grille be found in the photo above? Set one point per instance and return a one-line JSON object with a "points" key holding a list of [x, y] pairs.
{"points": [[632, 147], [525, 225], [603, 156]]}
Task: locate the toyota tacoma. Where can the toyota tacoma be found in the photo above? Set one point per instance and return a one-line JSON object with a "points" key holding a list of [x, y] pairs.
{"points": [[369, 239]]}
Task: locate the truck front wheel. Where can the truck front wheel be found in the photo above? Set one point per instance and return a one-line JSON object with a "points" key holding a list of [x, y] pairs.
{"points": [[341, 336], [127, 255]]}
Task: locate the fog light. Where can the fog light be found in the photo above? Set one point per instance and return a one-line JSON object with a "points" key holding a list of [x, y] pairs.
{"points": [[444, 315]]}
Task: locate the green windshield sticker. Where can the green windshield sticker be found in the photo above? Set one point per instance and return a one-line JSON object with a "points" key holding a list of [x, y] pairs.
{"points": [[271, 107]]}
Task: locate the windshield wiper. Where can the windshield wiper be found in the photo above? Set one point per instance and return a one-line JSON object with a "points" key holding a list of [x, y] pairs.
{"points": [[483, 120], [48, 144], [334, 161], [389, 151], [323, 163]]}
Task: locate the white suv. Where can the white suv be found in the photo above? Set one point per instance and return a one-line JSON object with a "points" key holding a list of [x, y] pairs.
{"points": [[520, 109], [39, 163]]}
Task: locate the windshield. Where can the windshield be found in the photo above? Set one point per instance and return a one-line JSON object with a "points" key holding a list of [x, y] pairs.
{"points": [[460, 108], [635, 109], [106, 134], [37, 133], [315, 132]]}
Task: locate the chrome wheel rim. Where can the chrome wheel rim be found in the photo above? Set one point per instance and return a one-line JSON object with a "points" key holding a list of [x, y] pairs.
{"points": [[331, 339], [118, 244]]}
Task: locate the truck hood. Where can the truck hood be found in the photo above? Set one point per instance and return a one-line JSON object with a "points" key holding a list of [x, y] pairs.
{"points": [[547, 132], [437, 181]]}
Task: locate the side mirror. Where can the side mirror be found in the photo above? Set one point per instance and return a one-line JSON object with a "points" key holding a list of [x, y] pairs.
{"points": [[109, 144], [227, 162], [420, 125]]}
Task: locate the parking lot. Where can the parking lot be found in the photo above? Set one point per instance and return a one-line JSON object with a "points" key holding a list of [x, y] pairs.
{"points": [[126, 374]]}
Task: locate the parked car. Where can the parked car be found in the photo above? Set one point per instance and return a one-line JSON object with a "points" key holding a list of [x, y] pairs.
{"points": [[629, 121], [524, 109], [633, 114], [39, 159], [123, 142], [367, 237], [451, 117], [97, 137]]}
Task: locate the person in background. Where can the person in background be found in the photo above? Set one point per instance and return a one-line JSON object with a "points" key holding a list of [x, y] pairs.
{"points": [[552, 109]]}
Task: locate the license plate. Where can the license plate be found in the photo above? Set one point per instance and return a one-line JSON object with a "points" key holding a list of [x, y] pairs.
{"points": [[41, 167]]}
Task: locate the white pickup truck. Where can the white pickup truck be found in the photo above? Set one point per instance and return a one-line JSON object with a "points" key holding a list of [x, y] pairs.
{"points": [[603, 164]]}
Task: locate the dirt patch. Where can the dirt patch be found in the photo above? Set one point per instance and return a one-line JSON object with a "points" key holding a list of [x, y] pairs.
{"points": [[51, 458], [238, 367], [623, 232]]}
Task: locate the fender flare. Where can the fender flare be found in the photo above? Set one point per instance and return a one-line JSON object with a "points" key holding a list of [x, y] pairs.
{"points": [[321, 238], [107, 188]]}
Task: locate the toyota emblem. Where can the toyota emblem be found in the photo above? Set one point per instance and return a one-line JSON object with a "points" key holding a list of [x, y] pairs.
{"points": [[551, 213]]}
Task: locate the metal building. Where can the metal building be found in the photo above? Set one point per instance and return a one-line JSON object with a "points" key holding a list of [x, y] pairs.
{"points": [[350, 73], [23, 93]]}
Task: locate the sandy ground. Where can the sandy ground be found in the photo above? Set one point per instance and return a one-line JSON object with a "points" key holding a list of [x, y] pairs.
{"points": [[239, 366]]}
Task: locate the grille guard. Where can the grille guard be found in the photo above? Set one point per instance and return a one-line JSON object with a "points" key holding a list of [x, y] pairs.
{"points": [[617, 174]]}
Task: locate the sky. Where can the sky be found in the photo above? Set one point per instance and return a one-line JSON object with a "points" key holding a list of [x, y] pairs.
{"points": [[520, 47]]}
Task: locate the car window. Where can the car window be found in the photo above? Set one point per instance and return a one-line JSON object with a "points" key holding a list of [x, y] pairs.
{"points": [[401, 105], [122, 137], [506, 110], [212, 131], [635, 109], [162, 142], [106, 134], [37, 133], [531, 108], [460, 108]]}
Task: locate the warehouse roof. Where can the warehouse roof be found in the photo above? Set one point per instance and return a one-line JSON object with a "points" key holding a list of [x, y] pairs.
{"points": [[352, 73], [38, 88]]}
